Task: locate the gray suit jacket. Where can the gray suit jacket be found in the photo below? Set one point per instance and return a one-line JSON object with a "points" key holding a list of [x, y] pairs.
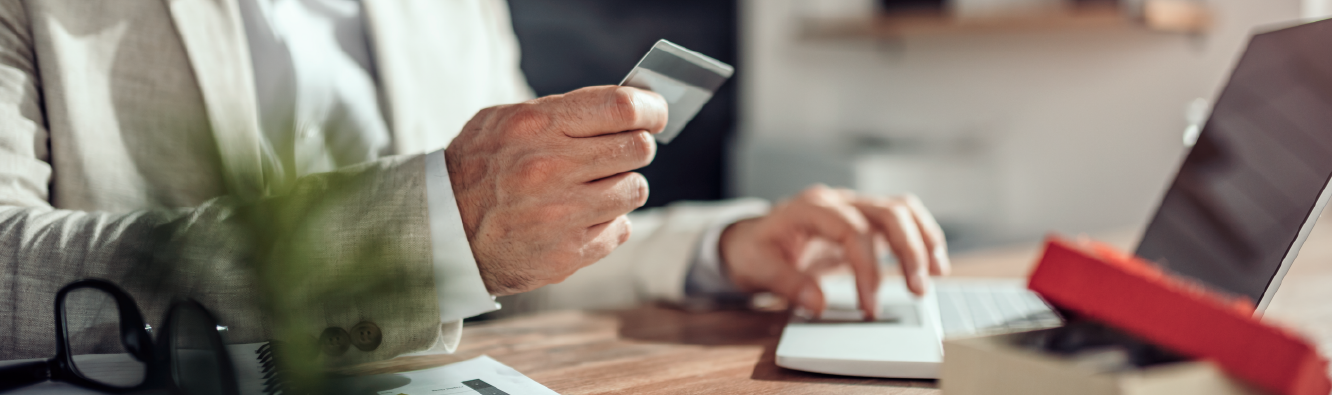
{"points": [[129, 151]]}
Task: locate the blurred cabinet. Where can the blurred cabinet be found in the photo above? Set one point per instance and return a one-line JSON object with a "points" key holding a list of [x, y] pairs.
{"points": [[976, 17], [960, 189]]}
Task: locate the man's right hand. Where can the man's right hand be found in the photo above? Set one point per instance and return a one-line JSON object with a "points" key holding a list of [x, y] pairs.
{"points": [[544, 186]]}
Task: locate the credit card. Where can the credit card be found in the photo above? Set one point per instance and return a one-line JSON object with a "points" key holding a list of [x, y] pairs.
{"points": [[687, 80]]}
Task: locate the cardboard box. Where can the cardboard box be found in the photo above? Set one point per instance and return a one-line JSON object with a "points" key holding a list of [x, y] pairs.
{"points": [[998, 365], [1189, 318]]}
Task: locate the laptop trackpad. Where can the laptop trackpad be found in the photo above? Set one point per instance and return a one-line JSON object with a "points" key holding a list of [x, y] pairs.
{"points": [[897, 305], [904, 314]]}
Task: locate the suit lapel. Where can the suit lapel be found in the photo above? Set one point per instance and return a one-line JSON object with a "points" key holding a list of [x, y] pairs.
{"points": [[440, 62], [214, 39]]}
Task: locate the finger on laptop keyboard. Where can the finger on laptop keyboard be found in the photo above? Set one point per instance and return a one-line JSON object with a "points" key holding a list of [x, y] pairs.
{"points": [[826, 212], [897, 221], [932, 234]]}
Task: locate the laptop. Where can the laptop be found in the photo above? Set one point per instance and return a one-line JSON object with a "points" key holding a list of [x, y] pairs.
{"points": [[1246, 196]]}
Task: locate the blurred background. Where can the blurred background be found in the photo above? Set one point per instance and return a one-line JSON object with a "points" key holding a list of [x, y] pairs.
{"points": [[1009, 118]]}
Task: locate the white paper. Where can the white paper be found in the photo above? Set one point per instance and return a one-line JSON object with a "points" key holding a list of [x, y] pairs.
{"points": [[444, 380], [249, 373], [449, 380]]}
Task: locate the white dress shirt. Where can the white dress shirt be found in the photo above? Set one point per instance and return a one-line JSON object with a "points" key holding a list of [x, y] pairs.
{"points": [[319, 110]]}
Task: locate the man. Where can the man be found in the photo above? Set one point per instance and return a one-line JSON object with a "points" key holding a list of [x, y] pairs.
{"points": [[283, 162]]}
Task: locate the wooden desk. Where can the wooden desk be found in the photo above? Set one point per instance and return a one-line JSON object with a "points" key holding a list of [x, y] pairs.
{"points": [[657, 350]]}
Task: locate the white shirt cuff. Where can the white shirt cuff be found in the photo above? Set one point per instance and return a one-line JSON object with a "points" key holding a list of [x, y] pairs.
{"points": [[458, 284], [706, 276], [705, 272]]}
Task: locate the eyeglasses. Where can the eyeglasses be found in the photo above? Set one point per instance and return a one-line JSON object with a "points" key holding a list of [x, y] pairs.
{"points": [[188, 358]]}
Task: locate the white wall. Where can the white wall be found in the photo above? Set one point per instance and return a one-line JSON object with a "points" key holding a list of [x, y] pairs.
{"points": [[1079, 129], [1316, 9]]}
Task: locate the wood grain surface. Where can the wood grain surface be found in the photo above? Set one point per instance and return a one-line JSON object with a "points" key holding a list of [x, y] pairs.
{"points": [[661, 350]]}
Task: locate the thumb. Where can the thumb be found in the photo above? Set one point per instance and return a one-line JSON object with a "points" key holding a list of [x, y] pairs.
{"points": [[798, 287]]}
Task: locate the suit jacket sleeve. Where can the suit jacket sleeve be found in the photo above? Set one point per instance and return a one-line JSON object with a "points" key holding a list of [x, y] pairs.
{"points": [[338, 249]]}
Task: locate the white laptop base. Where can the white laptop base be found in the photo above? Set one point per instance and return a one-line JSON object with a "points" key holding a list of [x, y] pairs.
{"points": [[907, 339]]}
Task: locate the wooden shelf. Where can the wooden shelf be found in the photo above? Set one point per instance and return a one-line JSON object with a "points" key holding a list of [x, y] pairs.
{"points": [[1176, 16]]}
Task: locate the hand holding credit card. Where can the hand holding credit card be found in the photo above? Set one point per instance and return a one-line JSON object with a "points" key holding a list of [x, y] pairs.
{"points": [[686, 79]]}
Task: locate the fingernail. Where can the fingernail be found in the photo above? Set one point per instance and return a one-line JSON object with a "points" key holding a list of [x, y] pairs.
{"points": [[916, 283], [628, 230], [809, 299], [941, 256]]}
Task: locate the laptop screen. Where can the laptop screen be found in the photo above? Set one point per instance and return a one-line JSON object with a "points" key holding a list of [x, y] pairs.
{"points": [[1257, 169]]}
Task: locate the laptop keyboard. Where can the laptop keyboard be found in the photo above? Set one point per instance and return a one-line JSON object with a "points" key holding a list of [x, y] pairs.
{"points": [[972, 310]]}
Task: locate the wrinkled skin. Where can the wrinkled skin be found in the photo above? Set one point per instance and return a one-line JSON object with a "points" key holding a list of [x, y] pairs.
{"points": [[544, 186]]}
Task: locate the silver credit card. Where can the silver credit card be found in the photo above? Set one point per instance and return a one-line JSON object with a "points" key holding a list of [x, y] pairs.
{"points": [[687, 80]]}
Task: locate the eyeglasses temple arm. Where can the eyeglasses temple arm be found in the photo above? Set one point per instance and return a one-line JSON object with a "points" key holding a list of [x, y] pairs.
{"points": [[24, 374]]}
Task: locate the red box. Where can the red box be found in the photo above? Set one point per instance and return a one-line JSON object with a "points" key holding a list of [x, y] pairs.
{"points": [[1138, 297]]}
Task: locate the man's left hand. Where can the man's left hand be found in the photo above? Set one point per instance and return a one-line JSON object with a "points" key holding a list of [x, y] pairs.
{"points": [[783, 251]]}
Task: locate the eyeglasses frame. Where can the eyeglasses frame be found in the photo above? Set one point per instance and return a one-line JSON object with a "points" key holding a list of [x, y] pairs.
{"points": [[160, 372]]}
